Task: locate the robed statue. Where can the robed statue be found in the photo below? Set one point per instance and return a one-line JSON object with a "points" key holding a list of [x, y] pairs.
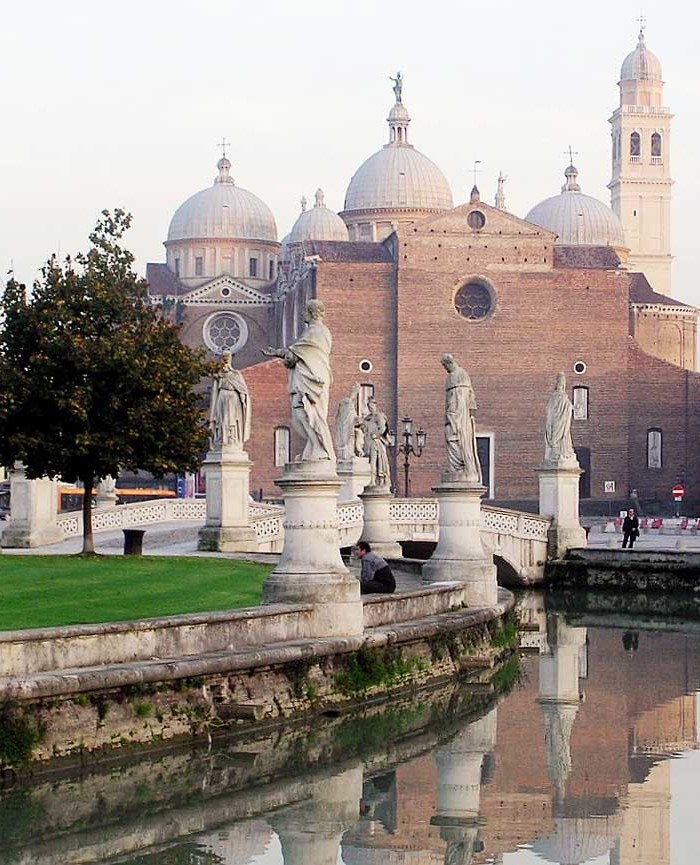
{"points": [[349, 438], [377, 439], [460, 431], [308, 382], [230, 411], [557, 432]]}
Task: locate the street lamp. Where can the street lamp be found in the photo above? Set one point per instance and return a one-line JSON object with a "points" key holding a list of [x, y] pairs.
{"points": [[407, 449]]}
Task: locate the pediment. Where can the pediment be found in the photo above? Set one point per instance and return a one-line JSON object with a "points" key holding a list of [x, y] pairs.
{"points": [[227, 291], [496, 222]]}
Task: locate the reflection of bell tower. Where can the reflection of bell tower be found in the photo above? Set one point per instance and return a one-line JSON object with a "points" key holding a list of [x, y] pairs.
{"points": [[562, 664], [640, 187], [459, 766], [646, 821]]}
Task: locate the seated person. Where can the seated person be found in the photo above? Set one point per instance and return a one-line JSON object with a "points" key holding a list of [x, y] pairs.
{"points": [[376, 576]]}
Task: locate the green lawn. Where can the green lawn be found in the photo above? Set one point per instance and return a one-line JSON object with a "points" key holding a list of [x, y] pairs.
{"points": [[41, 591]]}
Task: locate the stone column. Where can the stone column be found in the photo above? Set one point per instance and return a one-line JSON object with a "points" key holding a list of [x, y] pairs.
{"points": [[559, 502], [33, 511], [310, 570], [460, 554], [227, 528], [459, 766], [355, 474], [376, 525], [312, 831]]}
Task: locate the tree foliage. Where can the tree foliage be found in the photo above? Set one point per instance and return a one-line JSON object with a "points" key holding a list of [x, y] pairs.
{"points": [[92, 379]]}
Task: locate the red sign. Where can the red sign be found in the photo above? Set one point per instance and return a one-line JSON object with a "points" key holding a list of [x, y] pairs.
{"points": [[678, 492]]}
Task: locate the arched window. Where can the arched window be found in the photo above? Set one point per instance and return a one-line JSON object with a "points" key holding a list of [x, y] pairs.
{"points": [[654, 448], [580, 401], [283, 453], [656, 144], [635, 144]]}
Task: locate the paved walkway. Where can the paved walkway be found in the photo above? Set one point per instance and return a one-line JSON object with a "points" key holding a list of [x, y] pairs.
{"points": [[652, 540]]}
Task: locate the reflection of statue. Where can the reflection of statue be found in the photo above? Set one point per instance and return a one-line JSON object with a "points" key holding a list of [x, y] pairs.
{"points": [[376, 429], [229, 416], [557, 433], [460, 432], [348, 433], [398, 85], [309, 381]]}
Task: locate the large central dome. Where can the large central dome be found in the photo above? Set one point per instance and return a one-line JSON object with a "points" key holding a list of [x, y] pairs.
{"points": [[578, 219], [224, 210], [396, 184]]}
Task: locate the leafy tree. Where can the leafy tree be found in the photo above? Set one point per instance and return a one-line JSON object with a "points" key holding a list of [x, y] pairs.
{"points": [[92, 380]]}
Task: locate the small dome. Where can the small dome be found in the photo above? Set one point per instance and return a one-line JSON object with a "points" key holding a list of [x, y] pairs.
{"points": [[578, 219], [319, 223], [641, 64], [398, 177], [224, 210]]}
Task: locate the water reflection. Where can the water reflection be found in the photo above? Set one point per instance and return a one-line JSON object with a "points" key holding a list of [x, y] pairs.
{"points": [[572, 765]]}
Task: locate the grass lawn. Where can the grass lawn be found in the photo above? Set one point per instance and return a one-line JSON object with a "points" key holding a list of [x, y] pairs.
{"points": [[42, 591]]}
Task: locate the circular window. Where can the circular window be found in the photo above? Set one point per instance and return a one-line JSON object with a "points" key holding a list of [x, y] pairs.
{"points": [[475, 300], [225, 331], [476, 220], [365, 365], [580, 367], [225, 291]]}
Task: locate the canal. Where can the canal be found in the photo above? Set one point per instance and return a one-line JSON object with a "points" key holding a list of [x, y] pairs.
{"points": [[584, 749]]}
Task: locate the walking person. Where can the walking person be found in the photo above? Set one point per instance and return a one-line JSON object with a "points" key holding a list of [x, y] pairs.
{"points": [[376, 576], [630, 529]]}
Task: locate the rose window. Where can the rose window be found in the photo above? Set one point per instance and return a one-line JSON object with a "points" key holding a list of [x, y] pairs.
{"points": [[475, 300], [225, 332]]}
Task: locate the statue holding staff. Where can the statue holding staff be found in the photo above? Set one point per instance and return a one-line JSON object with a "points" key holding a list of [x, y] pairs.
{"points": [[308, 382]]}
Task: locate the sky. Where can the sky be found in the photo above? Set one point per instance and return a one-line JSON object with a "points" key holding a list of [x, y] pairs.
{"points": [[122, 105]]}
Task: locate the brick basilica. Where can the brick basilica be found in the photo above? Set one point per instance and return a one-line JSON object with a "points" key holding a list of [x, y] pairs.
{"points": [[406, 275]]}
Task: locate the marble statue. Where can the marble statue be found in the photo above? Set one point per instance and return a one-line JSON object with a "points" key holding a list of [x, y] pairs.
{"points": [[460, 432], [230, 412], [349, 438], [557, 433], [309, 379], [398, 85], [376, 429]]}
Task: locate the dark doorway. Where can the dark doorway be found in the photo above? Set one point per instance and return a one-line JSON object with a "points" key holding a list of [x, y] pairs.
{"points": [[583, 455], [483, 450]]}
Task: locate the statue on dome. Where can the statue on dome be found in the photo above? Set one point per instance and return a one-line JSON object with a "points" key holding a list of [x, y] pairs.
{"points": [[349, 438], [308, 382], [460, 430], [398, 85], [559, 447], [229, 415]]}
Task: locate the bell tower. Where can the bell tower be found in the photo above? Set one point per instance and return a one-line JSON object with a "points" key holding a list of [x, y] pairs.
{"points": [[640, 188]]}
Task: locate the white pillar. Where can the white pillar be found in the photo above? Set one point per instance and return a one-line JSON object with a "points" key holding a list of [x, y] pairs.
{"points": [[460, 554], [227, 528], [559, 502], [355, 475], [310, 570], [33, 511], [376, 525]]}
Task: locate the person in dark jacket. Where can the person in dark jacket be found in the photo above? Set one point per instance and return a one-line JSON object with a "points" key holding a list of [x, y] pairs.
{"points": [[630, 528], [376, 576]]}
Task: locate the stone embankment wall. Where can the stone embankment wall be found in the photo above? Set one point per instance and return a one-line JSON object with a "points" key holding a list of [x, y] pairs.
{"points": [[76, 712], [626, 570]]}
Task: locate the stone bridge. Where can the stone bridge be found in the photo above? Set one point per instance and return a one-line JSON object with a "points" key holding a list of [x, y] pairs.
{"points": [[517, 540]]}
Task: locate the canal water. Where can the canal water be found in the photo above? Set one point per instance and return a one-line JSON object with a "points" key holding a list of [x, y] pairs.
{"points": [[585, 751]]}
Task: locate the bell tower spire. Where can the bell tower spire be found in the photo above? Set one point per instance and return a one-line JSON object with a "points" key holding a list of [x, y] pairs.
{"points": [[640, 186]]}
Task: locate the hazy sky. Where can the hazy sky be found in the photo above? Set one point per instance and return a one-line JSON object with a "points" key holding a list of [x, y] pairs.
{"points": [[108, 105]]}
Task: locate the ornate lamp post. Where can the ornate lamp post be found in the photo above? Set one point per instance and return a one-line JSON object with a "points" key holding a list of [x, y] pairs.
{"points": [[407, 449]]}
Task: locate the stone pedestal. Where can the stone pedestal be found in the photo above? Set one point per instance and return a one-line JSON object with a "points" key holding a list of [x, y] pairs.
{"points": [[460, 554], [355, 475], [33, 511], [376, 527], [310, 570], [227, 527], [559, 502]]}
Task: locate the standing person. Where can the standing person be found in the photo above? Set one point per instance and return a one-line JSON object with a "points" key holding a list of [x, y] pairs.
{"points": [[376, 576], [630, 528]]}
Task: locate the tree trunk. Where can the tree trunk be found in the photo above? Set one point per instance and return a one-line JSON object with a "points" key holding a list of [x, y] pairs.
{"points": [[88, 539]]}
